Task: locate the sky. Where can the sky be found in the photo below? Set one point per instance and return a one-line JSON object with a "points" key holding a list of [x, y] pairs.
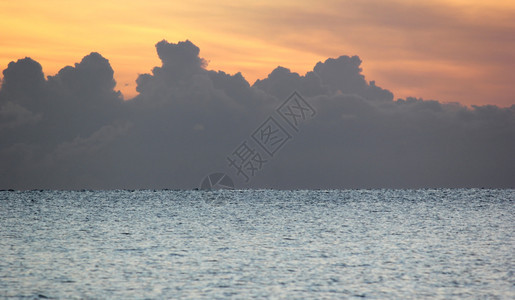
{"points": [[284, 95], [447, 50]]}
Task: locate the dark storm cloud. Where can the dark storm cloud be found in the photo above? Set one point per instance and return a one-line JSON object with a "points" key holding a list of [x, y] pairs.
{"points": [[73, 130]]}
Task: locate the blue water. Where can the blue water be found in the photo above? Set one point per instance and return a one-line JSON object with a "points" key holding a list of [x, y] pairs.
{"points": [[258, 244]]}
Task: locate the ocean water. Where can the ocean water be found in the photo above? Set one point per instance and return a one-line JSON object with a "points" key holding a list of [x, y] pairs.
{"points": [[441, 243]]}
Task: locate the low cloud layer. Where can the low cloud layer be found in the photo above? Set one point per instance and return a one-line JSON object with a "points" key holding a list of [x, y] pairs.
{"points": [[74, 131]]}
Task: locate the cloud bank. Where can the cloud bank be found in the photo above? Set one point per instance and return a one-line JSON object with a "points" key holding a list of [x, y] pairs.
{"points": [[74, 131]]}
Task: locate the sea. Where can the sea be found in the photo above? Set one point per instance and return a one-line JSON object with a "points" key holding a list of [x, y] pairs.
{"points": [[258, 244]]}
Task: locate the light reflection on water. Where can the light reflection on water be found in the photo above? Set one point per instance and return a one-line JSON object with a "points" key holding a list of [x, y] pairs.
{"points": [[285, 244]]}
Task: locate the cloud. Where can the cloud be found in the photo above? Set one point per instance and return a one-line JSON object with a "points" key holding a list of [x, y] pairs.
{"points": [[73, 130], [13, 115], [24, 81]]}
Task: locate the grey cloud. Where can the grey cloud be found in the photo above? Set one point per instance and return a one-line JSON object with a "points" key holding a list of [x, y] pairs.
{"points": [[281, 82], [13, 115], [93, 76], [72, 130], [24, 81], [344, 74], [340, 75]]}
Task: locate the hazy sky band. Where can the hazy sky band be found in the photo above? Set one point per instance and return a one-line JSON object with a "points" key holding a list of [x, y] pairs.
{"points": [[452, 51]]}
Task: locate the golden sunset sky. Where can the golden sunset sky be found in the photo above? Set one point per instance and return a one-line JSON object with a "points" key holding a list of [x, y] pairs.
{"points": [[448, 50]]}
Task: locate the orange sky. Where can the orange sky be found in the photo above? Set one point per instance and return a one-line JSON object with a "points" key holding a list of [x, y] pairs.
{"points": [[452, 51]]}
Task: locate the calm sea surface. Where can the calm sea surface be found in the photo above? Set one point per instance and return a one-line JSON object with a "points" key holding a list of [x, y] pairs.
{"points": [[258, 244]]}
